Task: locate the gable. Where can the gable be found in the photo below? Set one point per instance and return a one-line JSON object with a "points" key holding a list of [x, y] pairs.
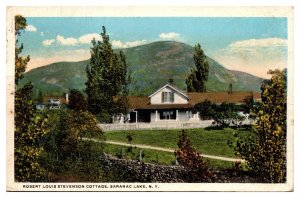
{"points": [[178, 97]]}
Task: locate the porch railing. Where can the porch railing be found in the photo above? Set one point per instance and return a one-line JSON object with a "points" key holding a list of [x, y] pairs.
{"points": [[155, 125]]}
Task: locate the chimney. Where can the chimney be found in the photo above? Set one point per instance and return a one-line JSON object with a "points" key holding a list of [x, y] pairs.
{"points": [[230, 88], [170, 81]]}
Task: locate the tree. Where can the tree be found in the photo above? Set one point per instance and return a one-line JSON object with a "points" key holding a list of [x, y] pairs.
{"points": [[73, 126], [20, 62], [224, 114], [108, 79], [196, 80], [40, 99], [206, 109], [265, 149], [76, 155], [77, 100], [29, 127], [188, 157]]}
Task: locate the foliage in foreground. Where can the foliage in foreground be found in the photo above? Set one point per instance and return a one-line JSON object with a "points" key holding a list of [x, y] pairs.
{"points": [[67, 151], [188, 157], [29, 126], [265, 152]]}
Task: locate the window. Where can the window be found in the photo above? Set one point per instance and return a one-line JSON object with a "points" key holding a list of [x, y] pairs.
{"points": [[167, 97], [168, 115]]}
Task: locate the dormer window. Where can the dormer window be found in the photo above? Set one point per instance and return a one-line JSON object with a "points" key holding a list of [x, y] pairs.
{"points": [[167, 97]]}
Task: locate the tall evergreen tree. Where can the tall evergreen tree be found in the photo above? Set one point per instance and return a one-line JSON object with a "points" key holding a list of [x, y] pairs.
{"points": [[196, 80], [29, 127], [108, 79]]}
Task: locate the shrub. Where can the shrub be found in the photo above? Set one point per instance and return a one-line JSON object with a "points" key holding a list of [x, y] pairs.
{"points": [[188, 157], [224, 115], [66, 150]]}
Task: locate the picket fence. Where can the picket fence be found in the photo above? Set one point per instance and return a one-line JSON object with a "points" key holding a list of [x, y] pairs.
{"points": [[155, 125]]}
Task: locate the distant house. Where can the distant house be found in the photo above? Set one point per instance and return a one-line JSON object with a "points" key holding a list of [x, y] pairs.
{"points": [[53, 102], [171, 104]]}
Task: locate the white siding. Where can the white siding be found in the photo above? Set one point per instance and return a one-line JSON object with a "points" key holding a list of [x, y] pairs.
{"points": [[153, 117], [178, 99], [182, 116]]}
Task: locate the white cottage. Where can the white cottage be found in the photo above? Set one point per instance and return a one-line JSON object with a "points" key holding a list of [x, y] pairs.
{"points": [[166, 104], [170, 104]]}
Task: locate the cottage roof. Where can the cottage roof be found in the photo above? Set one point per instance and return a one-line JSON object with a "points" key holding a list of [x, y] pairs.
{"points": [[136, 102], [220, 97], [142, 102], [60, 98]]}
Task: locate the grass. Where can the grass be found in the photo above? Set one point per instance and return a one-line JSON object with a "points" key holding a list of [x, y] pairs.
{"points": [[159, 157], [210, 142]]}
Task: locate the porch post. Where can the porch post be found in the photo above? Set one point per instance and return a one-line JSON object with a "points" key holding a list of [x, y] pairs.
{"points": [[136, 117], [176, 114], [156, 113]]}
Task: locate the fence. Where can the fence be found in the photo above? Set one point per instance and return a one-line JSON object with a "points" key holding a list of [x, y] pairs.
{"points": [[156, 125]]}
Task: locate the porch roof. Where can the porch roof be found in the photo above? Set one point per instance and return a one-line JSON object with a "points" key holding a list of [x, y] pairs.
{"points": [[167, 106]]}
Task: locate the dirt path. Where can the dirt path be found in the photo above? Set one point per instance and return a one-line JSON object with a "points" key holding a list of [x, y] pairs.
{"points": [[164, 149]]}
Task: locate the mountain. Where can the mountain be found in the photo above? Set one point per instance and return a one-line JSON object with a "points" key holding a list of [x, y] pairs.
{"points": [[151, 66]]}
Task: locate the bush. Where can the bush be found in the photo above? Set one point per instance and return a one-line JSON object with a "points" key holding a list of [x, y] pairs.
{"points": [[67, 152], [188, 157], [206, 109], [224, 115]]}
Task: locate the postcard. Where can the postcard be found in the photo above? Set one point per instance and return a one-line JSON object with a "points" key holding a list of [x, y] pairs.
{"points": [[150, 99]]}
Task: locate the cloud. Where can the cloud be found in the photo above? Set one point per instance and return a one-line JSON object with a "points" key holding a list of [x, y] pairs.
{"points": [[30, 28], [169, 36], [48, 42], [86, 39], [66, 41], [120, 44], [58, 56], [268, 42], [255, 56], [61, 40], [42, 34]]}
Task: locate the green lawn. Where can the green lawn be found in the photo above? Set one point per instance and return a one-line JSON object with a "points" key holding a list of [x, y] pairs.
{"points": [[211, 142], [158, 157]]}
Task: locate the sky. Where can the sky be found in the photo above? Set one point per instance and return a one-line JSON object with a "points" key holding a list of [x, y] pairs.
{"points": [[248, 44]]}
